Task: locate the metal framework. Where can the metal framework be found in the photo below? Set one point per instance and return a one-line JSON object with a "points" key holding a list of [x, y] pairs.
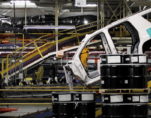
{"points": [[121, 10]]}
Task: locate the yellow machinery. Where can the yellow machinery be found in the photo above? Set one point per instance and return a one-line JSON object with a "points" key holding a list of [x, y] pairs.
{"points": [[39, 74], [9, 68], [84, 57]]}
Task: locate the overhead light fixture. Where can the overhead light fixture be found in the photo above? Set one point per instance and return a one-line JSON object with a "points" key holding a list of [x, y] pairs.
{"points": [[19, 3], [91, 5], [88, 5], [48, 27], [85, 22], [23, 2]]}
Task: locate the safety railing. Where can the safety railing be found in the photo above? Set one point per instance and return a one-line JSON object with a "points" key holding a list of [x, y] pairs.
{"points": [[41, 47]]}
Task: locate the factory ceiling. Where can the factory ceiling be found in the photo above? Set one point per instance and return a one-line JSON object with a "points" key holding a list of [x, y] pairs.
{"points": [[66, 7]]}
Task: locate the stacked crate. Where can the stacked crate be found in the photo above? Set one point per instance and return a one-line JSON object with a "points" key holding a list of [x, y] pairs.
{"points": [[124, 79], [73, 105]]}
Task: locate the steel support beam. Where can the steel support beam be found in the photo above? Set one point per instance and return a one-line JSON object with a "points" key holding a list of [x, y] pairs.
{"points": [[25, 13], [128, 9], [98, 14], [56, 22], [102, 13]]}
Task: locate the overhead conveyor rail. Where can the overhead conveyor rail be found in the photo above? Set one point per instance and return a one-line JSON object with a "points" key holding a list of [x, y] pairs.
{"points": [[12, 64]]}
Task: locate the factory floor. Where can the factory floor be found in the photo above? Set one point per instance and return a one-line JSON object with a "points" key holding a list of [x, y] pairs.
{"points": [[28, 111], [38, 111]]}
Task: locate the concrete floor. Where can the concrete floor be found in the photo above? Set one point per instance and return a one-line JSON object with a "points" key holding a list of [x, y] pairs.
{"points": [[24, 110], [27, 110]]}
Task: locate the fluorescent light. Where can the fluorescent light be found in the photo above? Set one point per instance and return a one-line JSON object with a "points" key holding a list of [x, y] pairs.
{"points": [[23, 2], [87, 5], [91, 5], [48, 27], [19, 3]]}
